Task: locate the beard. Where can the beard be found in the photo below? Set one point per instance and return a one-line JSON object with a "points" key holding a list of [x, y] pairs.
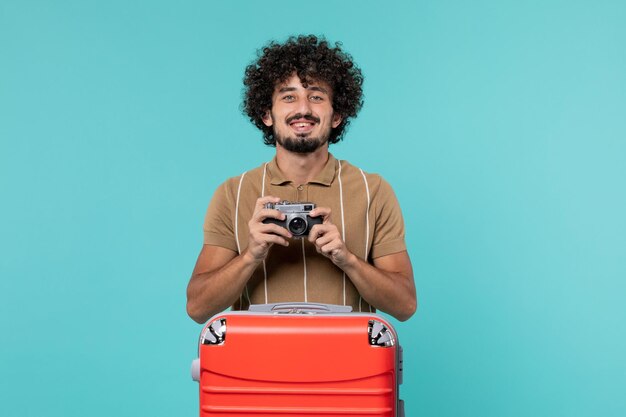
{"points": [[301, 143]]}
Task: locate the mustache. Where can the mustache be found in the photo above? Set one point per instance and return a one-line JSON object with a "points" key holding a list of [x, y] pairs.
{"points": [[309, 117]]}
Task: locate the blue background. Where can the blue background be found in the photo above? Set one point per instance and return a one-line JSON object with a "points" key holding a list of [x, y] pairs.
{"points": [[500, 124]]}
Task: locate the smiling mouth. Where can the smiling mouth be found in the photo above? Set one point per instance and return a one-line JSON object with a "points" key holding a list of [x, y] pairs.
{"points": [[301, 126]]}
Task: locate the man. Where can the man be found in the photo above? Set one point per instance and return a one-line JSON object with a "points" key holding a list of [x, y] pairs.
{"points": [[302, 94]]}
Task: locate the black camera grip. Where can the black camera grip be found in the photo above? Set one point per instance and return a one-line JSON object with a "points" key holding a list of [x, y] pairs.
{"points": [[275, 221], [314, 220]]}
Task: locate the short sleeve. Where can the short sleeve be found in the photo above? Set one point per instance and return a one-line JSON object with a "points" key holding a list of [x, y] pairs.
{"points": [[218, 222], [389, 226]]}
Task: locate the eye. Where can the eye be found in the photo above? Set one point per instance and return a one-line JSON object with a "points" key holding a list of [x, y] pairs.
{"points": [[316, 98], [288, 98]]}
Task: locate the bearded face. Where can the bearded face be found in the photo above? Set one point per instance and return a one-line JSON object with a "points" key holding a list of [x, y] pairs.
{"points": [[302, 115]]}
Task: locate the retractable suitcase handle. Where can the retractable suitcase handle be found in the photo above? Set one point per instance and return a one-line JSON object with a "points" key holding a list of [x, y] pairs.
{"points": [[299, 308]]}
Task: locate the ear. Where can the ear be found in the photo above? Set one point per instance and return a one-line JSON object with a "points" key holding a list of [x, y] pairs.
{"points": [[337, 119], [267, 119]]}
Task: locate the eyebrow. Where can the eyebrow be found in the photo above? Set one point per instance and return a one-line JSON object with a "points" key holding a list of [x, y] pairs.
{"points": [[313, 88], [318, 88]]}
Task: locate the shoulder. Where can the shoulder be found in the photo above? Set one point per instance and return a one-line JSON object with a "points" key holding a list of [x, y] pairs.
{"points": [[375, 182], [233, 185]]}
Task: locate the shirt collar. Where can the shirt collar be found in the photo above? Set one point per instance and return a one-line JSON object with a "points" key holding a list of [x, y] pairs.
{"points": [[324, 177]]}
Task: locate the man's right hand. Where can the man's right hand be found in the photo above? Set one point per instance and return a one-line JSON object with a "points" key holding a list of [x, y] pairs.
{"points": [[220, 276], [263, 235]]}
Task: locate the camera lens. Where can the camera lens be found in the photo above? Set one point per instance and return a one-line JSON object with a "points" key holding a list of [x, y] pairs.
{"points": [[297, 225]]}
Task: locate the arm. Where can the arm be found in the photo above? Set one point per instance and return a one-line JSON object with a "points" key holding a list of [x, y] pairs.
{"points": [[216, 282], [387, 285], [220, 275]]}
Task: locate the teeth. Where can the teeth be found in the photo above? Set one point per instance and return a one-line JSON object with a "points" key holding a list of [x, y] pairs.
{"points": [[303, 124]]}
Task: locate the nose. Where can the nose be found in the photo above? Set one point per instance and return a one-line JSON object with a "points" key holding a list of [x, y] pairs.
{"points": [[303, 106]]}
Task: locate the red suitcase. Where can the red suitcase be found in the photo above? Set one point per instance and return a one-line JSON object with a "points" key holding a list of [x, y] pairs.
{"points": [[297, 359]]}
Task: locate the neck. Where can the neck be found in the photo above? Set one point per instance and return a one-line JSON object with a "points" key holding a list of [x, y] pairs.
{"points": [[301, 168]]}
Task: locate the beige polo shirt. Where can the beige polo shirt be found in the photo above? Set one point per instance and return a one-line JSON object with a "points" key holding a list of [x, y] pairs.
{"points": [[363, 206]]}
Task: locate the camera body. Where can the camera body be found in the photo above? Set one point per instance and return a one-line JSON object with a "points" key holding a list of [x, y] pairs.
{"points": [[297, 219]]}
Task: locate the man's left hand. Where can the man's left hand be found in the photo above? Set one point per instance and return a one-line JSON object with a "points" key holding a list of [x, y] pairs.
{"points": [[327, 239]]}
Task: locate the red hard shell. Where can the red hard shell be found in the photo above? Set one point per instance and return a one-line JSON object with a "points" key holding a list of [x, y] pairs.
{"points": [[297, 365]]}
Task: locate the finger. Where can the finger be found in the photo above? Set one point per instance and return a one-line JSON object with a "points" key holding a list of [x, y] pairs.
{"points": [[262, 201], [263, 214], [324, 212], [267, 237], [325, 240], [271, 228], [333, 249], [271, 238], [313, 235], [328, 249], [317, 231]]}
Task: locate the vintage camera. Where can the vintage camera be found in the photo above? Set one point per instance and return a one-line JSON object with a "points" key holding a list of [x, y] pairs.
{"points": [[297, 219]]}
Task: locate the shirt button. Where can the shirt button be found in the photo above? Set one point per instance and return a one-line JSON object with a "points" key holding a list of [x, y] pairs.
{"points": [[300, 187]]}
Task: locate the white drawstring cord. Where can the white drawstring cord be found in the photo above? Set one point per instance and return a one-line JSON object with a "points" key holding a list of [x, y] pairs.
{"points": [[367, 228], [237, 235], [264, 266], [237, 214], [343, 228], [306, 297], [237, 231], [367, 216]]}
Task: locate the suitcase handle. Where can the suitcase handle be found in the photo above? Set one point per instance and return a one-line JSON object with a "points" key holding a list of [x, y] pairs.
{"points": [[299, 308]]}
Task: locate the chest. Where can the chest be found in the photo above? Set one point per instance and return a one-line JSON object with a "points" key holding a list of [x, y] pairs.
{"points": [[350, 205]]}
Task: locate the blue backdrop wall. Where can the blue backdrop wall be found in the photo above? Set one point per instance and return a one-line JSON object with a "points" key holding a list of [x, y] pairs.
{"points": [[500, 125]]}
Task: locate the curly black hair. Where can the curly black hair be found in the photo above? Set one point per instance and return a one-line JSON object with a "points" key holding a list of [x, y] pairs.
{"points": [[311, 58]]}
